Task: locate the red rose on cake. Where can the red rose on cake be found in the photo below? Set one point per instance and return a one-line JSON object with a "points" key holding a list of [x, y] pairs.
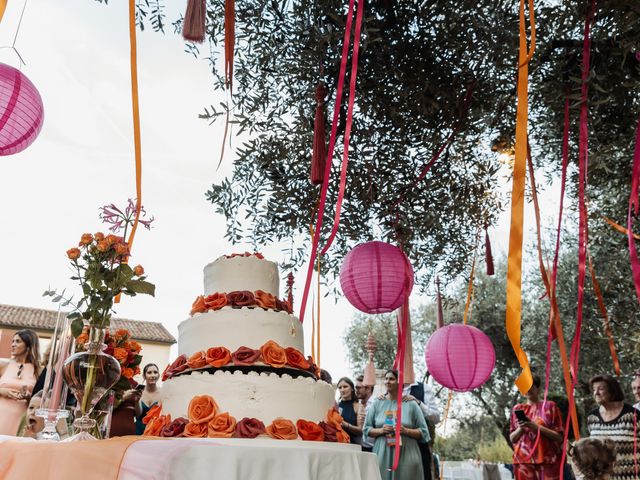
{"points": [[249, 428], [273, 354], [295, 359], [222, 426], [265, 300], [218, 356], [178, 365], [175, 428], [282, 429], [330, 431], [202, 408], [241, 298], [310, 431], [215, 301], [245, 356]]}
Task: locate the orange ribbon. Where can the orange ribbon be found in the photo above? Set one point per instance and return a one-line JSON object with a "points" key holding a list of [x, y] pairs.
{"points": [[514, 268], [3, 7], [619, 227], [605, 316]]}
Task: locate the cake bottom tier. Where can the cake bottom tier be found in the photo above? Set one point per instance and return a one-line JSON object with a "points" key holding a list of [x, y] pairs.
{"points": [[265, 396]]}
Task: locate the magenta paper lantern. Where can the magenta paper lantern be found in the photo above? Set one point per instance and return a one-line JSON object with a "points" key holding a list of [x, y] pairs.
{"points": [[375, 277], [21, 111], [460, 357]]}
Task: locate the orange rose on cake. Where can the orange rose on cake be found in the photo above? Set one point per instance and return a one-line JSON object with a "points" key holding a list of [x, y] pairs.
{"points": [[198, 306], [215, 301], [310, 431], [282, 429], [197, 360], [264, 299], [273, 354], [155, 426], [202, 408], [198, 430], [295, 359], [222, 426], [152, 414], [218, 356]]}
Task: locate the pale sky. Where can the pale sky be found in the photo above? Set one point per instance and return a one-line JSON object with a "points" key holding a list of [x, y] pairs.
{"points": [[77, 56]]}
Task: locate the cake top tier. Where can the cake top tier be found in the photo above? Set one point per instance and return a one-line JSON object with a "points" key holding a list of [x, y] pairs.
{"points": [[241, 272]]}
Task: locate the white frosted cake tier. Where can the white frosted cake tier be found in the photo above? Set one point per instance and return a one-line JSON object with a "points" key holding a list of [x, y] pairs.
{"points": [[265, 396], [239, 327], [251, 273]]}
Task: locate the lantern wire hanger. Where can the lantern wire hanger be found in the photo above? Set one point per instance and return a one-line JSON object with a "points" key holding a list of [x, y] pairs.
{"points": [[15, 37]]}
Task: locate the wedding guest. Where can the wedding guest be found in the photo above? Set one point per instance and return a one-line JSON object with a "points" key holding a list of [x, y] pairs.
{"points": [[151, 394], [635, 388], [364, 393], [422, 394], [380, 424], [537, 435], [123, 419], [349, 408], [614, 419], [17, 378], [593, 459]]}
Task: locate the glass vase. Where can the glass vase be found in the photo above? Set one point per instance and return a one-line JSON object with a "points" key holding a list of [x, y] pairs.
{"points": [[89, 375]]}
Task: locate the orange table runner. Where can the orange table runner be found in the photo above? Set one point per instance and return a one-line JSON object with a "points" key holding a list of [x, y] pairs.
{"points": [[89, 460]]}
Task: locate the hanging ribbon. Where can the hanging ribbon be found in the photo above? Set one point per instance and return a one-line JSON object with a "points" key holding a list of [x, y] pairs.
{"points": [[565, 163], [583, 160], [633, 210], [135, 103], [514, 268], [402, 334], [229, 41], [3, 7], [555, 325], [440, 313], [467, 305], [327, 170], [619, 227], [605, 317]]}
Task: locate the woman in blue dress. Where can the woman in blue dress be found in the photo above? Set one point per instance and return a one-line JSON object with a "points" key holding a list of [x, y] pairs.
{"points": [[150, 395], [380, 425]]}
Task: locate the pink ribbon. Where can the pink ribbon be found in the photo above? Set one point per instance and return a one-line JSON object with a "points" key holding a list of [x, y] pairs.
{"points": [[633, 207]]}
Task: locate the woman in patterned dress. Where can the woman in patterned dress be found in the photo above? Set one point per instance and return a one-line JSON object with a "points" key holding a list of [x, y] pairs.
{"points": [[17, 378], [616, 420], [537, 440]]}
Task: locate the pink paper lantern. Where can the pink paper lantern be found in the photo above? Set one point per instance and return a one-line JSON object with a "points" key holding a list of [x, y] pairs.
{"points": [[375, 276], [21, 111], [460, 357]]}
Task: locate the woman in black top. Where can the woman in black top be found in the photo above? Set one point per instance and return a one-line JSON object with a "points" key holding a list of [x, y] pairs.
{"points": [[349, 408]]}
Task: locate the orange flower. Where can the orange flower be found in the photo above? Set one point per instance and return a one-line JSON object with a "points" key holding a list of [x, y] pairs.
{"points": [[136, 371], [127, 373], [120, 353], [264, 299], [282, 429], [153, 413], [86, 239], [198, 306], [202, 408], [222, 426], [99, 236], [195, 430], [73, 253], [135, 346], [103, 246], [218, 356], [122, 333], [296, 359], [273, 354], [334, 417], [138, 270], [310, 431], [197, 360], [122, 249], [113, 239], [215, 301], [126, 345], [155, 426], [82, 338], [342, 436]]}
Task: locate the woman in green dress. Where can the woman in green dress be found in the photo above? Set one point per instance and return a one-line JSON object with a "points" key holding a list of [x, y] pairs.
{"points": [[380, 425]]}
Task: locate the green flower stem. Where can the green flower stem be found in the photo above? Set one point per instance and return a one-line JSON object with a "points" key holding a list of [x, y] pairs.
{"points": [[88, 386]]}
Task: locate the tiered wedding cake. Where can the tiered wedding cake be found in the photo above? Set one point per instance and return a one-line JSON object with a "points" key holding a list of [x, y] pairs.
{"points": [[242, 370]]}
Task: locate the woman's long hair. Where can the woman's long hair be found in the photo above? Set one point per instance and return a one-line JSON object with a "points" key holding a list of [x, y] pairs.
{"points": [[31, 340]]}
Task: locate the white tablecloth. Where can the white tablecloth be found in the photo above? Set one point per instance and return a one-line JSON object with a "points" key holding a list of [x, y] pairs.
{"points": [[244, 459], [469, 471]]}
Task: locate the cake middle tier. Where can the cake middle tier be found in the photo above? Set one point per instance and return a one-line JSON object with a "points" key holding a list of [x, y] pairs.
{"points": [[239, 327]]}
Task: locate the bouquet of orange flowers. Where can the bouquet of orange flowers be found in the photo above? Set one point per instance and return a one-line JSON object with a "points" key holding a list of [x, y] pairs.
{"points": [[126, 350]]}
